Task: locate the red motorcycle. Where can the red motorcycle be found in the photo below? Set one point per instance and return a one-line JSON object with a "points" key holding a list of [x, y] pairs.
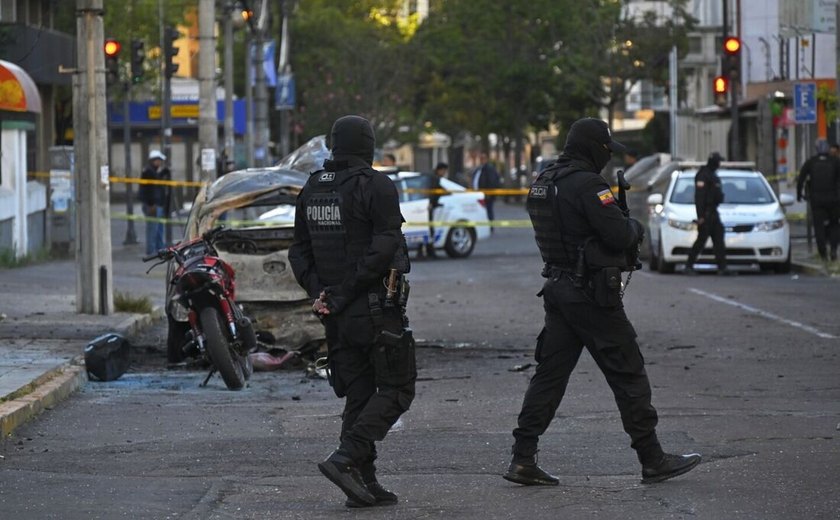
{"points": [[205, 285]]}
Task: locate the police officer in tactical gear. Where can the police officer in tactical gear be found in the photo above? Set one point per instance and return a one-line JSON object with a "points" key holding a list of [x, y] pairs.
{"points": [[819, 178], [708, 195], [349, 254], [584, 238]]}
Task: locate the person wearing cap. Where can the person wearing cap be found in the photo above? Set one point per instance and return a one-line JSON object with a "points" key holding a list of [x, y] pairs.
{"points": [[349, 254], [486, 177], [154, 198], [441, 169], [708, 195], [819, 183], [583, 237]]}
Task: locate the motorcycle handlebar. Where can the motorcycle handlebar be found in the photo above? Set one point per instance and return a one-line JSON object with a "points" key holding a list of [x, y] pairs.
{"points": [[151, 257]]}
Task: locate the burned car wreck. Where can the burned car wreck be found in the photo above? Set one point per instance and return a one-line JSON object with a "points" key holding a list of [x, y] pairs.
{"points": [[258, 252]]}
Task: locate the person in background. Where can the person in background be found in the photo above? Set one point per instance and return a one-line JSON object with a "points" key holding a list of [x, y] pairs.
{"points": [[819, 183], [441, 171], [708, 195], [154, 199], [486, 177], [389, 160], [834, 150], [630, 158]]}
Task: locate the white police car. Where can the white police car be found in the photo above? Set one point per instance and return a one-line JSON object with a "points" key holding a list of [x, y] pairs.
{"points": [[458, 212], [757, 232]]}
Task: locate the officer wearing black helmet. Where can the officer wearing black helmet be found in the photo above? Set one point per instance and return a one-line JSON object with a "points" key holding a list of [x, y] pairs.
{"points": [[708, 195], [349, 254], [819, 182], [586, 242]]}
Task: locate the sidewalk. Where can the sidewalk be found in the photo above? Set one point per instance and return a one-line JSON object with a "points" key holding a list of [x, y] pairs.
{"points": [[42, 338]]}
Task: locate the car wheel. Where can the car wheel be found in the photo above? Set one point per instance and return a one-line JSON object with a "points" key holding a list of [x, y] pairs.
{"points": [[664, 267], [784, 267], [460, 242]]}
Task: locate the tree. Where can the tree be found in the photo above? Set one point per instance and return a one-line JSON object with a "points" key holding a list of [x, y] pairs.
{"points": [[618, 48], [489, 66], [126, 20], [349, 58]]}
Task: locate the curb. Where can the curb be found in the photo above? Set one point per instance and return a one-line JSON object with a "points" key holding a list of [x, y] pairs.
{"points": [[61, 382], [809, 269]]}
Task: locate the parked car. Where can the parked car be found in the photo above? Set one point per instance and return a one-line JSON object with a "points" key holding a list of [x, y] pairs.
{"points": [[459, 209], [757, 232], [258, 253]]}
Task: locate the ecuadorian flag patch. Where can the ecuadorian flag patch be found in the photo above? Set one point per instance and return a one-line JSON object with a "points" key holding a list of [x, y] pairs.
{"points": [[606, 197]]}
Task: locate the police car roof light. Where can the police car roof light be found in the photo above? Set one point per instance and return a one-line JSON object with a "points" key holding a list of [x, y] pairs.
{"points": [[730, 165]]}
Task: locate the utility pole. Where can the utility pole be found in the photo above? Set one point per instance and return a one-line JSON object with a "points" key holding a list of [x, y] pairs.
{"points": [[130, 233], [735, 87], [93, 214], [227, 24], [249, 99], [837, 72], [208, 127], [674, 102], [731, 70], [260, 90], [284, 70], [170, 67]]}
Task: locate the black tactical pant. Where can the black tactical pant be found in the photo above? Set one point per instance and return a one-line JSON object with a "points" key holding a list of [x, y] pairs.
{"points": [[711, 227], [572, 322], [377, 380], [826, 226]]}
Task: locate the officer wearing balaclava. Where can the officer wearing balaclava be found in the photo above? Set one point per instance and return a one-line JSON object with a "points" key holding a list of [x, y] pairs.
{"points": [[349, 255], [708, 195], [582, 236], [819, 182]]}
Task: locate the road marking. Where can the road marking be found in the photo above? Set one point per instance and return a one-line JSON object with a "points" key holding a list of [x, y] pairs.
{"points": [[764, 314]]}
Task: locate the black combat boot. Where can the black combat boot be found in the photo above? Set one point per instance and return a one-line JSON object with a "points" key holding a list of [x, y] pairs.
{"points": [[342, 472], [383, 496], [524, 470], [669, 466]]}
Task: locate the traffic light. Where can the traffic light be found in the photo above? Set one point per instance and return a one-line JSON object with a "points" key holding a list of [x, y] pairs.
{"points": [[732, 57], [112, 60], [138, 55], [170, 34], [720, 86]]}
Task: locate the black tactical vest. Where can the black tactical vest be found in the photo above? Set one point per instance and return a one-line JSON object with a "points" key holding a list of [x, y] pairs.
{"points": [[547, 220], [338, 239]]}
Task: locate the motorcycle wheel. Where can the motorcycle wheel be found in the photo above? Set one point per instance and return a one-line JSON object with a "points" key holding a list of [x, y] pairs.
{"points": [[247, 366], [219, 350], [175, 338]]}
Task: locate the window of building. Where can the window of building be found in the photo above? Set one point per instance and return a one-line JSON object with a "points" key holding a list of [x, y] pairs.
{"points": [[21, 11], [695, 45], [7, 10]]}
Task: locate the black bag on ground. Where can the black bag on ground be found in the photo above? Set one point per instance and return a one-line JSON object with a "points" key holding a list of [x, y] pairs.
{"points": [[107, 357]]}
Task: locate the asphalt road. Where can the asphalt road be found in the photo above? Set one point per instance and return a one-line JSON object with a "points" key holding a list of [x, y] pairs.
{"points": [[744, 369]]}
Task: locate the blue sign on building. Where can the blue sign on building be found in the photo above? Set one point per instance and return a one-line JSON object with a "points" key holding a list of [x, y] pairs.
{"points": [[805, 103]]}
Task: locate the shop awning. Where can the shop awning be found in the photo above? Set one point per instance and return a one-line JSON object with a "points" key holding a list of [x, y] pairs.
{"points": [[18, 92]]}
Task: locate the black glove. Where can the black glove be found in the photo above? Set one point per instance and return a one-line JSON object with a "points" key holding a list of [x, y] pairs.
{"points": [[336, 301]]}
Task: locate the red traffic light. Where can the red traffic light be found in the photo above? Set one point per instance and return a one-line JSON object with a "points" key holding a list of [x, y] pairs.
{"points": [[112, 48], [720, 84], [732, 45]]}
